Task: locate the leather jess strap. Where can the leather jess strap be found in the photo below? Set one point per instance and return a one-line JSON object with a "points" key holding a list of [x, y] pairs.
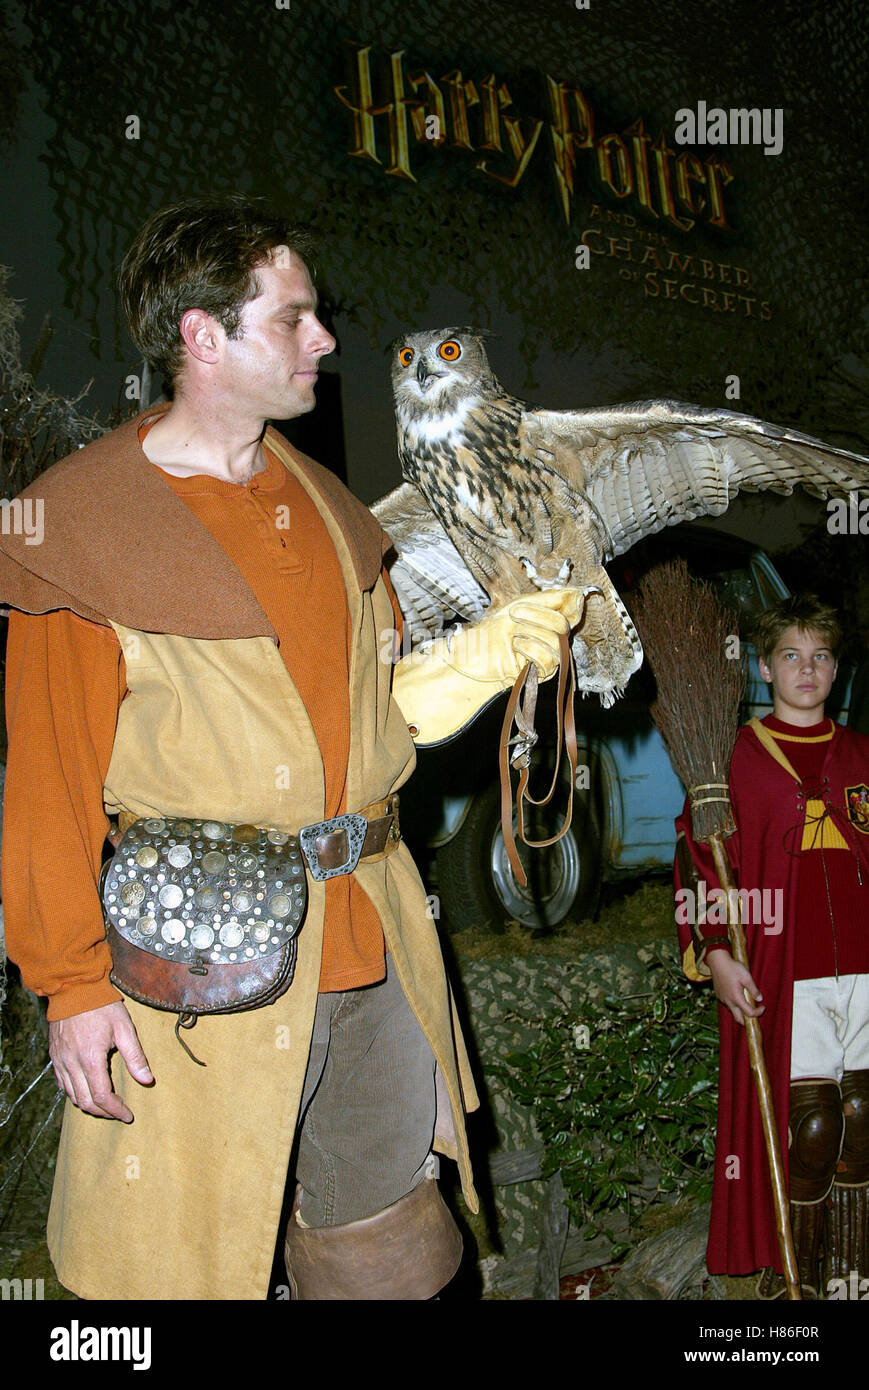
{"points": [[521, 710]]}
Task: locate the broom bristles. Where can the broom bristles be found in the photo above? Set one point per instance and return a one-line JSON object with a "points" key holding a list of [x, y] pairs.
{"points": [[685, 630]]}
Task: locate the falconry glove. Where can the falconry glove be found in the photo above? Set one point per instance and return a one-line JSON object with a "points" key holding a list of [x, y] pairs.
{"points": [[445, 683]]}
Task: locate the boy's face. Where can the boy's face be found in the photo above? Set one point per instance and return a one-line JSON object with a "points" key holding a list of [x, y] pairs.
{"points": [[801, 672]]}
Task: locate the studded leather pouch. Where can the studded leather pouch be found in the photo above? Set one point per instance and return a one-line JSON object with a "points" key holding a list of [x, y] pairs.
{"points": [[202, 916]]}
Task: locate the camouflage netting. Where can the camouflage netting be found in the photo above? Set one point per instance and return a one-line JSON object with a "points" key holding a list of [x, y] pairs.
{"points": [[12, 81], [241, 95]]}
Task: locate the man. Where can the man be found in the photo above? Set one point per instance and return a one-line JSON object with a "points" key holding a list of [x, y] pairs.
{"points": [[801, 852], [199, 637]]}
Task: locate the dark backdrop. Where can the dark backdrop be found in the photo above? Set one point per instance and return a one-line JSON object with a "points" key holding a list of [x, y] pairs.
{"points": [[241, 95]]}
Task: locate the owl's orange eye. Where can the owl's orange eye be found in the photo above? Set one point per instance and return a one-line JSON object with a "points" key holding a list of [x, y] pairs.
{"points": [[450, 350], [405, 357]]}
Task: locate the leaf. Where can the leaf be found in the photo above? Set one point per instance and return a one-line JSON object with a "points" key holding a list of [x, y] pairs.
{"points": [[522, 1061], [644, 1098]]}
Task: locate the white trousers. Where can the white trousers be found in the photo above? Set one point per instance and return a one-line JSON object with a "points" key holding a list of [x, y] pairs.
{"points": [[830, 1031]]}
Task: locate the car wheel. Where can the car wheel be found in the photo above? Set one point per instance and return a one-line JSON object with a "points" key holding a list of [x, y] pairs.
{"points": [[479, 889]]}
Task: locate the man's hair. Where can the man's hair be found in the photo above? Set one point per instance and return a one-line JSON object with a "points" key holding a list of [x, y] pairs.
{"points": [[802, 611], [199, 254]]}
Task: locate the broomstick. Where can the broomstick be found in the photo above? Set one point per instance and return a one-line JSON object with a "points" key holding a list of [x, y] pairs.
{"points": [[685, 633]]}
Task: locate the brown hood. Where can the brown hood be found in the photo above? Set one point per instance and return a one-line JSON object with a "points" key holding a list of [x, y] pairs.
{"points": [[119, 544]]}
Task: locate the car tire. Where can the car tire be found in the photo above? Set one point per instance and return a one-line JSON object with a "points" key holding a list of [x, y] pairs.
{"points": [[477, 885]]}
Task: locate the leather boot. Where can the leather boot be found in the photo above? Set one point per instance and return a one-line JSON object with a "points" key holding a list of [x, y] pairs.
{"points": [[847, 1243], [815, 1127], [815, 1130], [408, 1251]]}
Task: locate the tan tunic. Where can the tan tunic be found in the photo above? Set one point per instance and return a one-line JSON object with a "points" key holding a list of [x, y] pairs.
{"points": [[184, 1203]]}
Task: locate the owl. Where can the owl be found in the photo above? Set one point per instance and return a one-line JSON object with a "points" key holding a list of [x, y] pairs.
{"points": [[501, 498]]}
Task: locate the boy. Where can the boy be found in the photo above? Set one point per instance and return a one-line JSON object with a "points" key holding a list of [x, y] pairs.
{"points": [[799, 787]]}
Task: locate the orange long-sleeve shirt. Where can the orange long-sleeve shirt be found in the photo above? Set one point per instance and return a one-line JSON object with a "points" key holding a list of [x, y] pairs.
{"points": [[65, 683]]}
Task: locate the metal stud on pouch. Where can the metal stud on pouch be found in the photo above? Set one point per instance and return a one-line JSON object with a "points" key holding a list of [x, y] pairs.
{"points": [[201, 936], [232, 934], [171, 895]]}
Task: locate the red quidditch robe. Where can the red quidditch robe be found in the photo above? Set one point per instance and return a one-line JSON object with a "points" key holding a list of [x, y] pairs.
{"points": [[769, 809]]}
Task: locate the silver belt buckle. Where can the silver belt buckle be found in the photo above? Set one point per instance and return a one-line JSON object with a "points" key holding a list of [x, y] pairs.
{"points": [[355, 827]]}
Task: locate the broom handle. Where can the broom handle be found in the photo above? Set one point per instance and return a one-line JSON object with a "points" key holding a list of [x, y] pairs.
{"points": [[761, 1076]]}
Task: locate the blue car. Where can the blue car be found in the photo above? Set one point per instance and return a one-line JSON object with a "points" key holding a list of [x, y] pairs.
{"points": [[627, 795]]}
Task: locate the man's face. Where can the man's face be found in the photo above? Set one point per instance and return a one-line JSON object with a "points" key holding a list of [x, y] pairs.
{"points": [[271, 368], [801, 671]]}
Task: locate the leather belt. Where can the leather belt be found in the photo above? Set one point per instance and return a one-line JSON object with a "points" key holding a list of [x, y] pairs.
{"points": [[336, 846], [333, 847]]}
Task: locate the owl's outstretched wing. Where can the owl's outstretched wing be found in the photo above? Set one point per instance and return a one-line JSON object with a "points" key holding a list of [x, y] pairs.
{"points": [[653, 464], [432, 582]]}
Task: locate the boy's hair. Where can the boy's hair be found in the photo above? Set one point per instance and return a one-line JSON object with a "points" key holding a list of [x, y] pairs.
{"points": [[199, 254], [802, 611]]}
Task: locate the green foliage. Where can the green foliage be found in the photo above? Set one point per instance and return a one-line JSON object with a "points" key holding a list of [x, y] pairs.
{"points": [[624, 1098]]}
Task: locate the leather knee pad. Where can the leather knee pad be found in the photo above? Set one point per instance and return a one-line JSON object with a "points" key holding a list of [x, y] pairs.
{"points": [[853, 1166], [815, 1129]]}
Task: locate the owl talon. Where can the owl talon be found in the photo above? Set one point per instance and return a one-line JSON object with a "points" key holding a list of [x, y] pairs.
{"points": [[565, 572], [528, 567]]}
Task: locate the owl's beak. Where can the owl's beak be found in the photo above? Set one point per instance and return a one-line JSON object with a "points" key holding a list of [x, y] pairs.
{"points": [[424, 376]]}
